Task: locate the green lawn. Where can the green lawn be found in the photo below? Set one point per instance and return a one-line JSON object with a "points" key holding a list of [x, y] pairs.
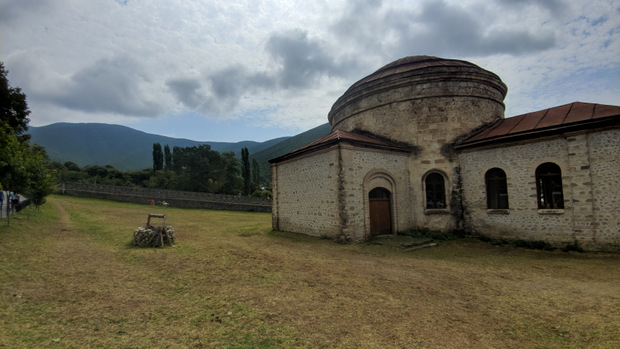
{"points": [[70, 278]]}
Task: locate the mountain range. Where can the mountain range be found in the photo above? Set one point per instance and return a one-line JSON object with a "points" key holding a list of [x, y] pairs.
{"points": [[127, 149]]}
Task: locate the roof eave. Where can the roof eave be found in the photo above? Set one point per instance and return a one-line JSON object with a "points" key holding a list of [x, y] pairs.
{"points": [[327, 144], [537, 133]]}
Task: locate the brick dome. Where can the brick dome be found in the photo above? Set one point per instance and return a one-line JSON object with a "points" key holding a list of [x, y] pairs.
{"points": [[419, 90]]}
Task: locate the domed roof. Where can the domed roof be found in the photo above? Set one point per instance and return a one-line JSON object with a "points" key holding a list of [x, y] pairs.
{"points": [[412, 63], [417, 70]]}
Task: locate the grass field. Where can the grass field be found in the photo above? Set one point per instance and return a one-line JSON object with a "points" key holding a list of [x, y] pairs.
{"points": [[70, 278]]}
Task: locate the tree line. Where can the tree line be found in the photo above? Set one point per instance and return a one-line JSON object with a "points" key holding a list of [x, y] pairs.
{"points": [[24, 168], [201, 169], [196, 168]]}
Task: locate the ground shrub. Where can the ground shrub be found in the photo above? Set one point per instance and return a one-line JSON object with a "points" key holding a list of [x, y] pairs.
{"points": [[533, 244], [499, 242], [485, 238], [342, 238], [431, 234], [575, 246], [529, 244]]}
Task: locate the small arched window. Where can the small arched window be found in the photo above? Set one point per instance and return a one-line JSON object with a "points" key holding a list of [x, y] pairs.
{"points": [[549, 186], [435, 191], [497, 189]]}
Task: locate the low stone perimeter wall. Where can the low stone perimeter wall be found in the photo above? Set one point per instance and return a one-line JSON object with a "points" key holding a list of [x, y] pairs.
{"points": [[173, 198]]}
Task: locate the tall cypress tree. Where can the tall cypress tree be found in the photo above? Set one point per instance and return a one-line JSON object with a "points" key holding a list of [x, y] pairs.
{"points": [[167, 157], [245, 171], [255, 174], [158, 157]]}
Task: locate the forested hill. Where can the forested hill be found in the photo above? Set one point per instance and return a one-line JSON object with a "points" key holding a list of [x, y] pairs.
{"points": [[127, 149], [124, 148], [286, 146]]}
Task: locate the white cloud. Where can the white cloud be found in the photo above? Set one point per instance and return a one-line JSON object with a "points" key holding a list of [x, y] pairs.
{"points": [[285, 63]]}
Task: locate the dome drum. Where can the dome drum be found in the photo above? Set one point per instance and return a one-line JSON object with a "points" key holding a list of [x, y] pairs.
{"points": [[404, 96]]}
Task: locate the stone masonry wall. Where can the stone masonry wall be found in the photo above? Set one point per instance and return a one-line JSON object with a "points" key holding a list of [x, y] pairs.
{"points": [[305, 194], [428, 123], [590, 165], [604, 153], [364, 170], [175, 198]]}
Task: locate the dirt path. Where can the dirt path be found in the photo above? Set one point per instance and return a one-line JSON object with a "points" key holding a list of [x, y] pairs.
{"points": [[63, 216], [63, 226]]}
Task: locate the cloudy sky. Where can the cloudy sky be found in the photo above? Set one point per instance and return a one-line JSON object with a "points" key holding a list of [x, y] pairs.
{"points": [[225, 70]]}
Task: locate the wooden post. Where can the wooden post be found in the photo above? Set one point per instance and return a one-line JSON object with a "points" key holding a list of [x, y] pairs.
{"points": [[155, 215]]}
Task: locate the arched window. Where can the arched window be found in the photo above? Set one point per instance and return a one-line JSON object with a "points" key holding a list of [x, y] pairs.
{"points": [[435, 191], [549, 186], [497, 189]]}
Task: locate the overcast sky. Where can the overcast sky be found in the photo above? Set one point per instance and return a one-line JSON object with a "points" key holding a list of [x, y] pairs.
{"points": [[212, 70]]}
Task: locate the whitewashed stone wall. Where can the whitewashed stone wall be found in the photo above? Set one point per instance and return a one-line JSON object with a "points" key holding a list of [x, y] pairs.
{"points": [[305, 194], [364, 170], [604, 153], [326, 193], [590, 166]]}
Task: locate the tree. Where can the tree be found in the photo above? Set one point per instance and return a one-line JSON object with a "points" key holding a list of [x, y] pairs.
{"points": [[13, 107], [158, 157], [140, 178], [71, 166], [233, 181], [24, 168], [204, 170], [41, 179], [255, 174], [192, 166], [245, 171], [162, 179], [12, 170], [67, 172], [167, 157], [14, 147]]}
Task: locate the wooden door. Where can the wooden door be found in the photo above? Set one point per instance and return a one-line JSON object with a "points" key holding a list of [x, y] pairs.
{"points": [[380, 211]]}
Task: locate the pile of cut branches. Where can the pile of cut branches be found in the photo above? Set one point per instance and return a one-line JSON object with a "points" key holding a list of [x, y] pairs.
{"points": [[151, 236]]}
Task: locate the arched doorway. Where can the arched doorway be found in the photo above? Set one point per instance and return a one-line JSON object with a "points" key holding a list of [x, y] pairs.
{"points": [[380, 211]]}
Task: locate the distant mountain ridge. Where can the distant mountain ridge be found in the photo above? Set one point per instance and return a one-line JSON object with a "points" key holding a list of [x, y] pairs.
{"points": [[127, 149]]}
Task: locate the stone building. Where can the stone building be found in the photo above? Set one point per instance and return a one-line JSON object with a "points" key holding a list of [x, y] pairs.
{"points": [[423, 143]]}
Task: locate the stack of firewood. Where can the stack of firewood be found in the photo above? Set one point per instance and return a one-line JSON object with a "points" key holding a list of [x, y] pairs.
{"points": [[151, 236]]}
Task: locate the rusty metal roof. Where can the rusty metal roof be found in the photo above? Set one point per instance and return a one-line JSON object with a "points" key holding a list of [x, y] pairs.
{"points": [[340, 136], [564, 118]]}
